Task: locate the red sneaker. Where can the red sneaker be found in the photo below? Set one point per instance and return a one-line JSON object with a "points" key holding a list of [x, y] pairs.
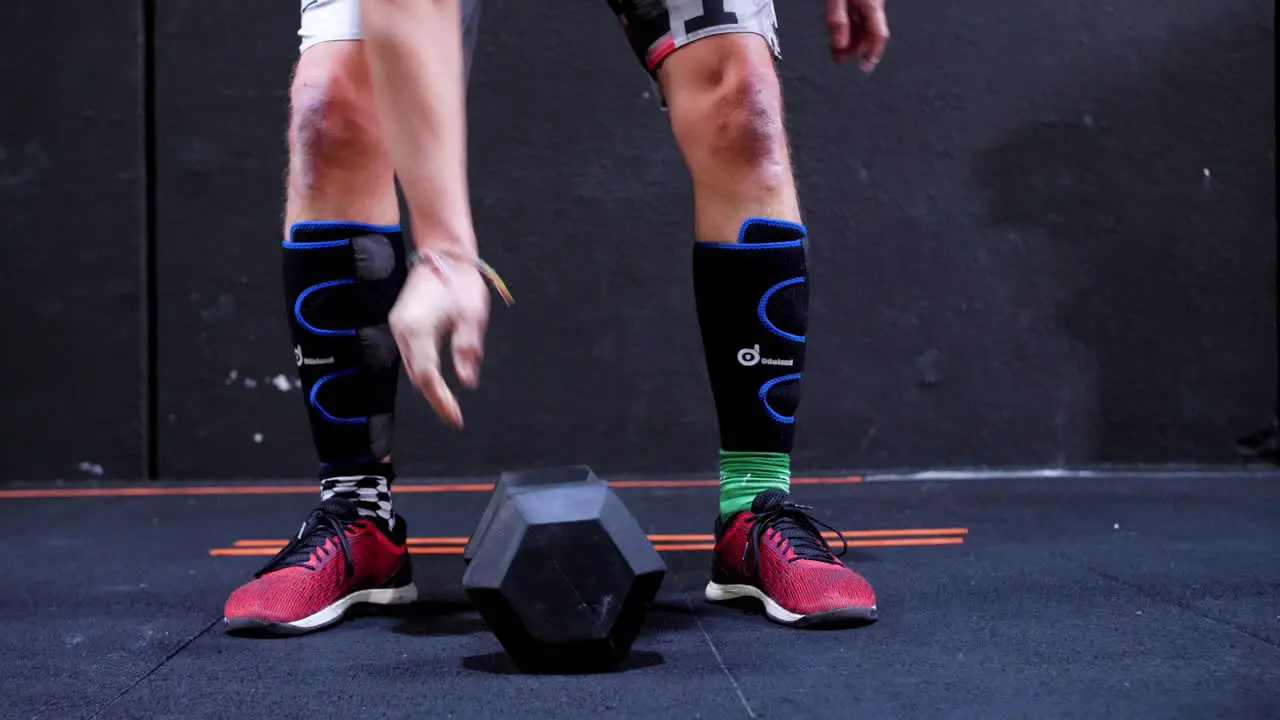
{"points": [[338, 559], [775, 554]]}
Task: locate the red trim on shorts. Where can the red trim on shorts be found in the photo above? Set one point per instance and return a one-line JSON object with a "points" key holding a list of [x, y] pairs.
{"points": [[659, 52]]}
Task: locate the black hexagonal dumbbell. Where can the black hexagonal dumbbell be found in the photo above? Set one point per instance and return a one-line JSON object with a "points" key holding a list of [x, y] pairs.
{"points": [[563, 574], [519, 481]]}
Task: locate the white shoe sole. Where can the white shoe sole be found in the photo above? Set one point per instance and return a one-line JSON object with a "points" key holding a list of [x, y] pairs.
{"points": [[716, 592], [331, 614]]}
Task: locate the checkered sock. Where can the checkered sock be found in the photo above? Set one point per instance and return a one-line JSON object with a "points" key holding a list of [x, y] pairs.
{"points": [[371, 494]]}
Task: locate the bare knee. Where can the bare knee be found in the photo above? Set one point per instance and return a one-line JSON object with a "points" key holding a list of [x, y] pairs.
{"points": [[333, 124], [726, 105], [745, 114]]}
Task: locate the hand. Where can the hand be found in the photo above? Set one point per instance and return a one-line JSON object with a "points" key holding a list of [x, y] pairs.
{"points": [[433, 304], [858, 29]]}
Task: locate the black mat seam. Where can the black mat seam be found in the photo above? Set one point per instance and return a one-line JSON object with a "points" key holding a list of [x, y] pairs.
{"points": [[1182, 606], [173, 654], [715, 652], [151, 301]]}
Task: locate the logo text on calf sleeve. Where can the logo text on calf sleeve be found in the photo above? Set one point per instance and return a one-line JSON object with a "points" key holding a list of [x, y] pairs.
{"points": [[751, 356], [298, 358]]}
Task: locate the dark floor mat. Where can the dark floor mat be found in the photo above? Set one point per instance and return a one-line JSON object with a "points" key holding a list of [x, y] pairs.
{"points": [[1142, 597]]}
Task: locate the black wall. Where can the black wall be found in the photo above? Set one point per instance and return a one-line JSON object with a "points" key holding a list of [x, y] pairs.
{"points": [[72, 205], [1043, 234]]}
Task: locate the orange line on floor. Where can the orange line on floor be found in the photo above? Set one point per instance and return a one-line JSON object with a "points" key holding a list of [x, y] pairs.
{"points": [[52, 493], [660, 547], [909, 532], [454, 545], [904, 542], [219, 490], [664, 483], [411, 541], [908, 542], [846, 480], [154, 492], [443, 487], [658, 538]]}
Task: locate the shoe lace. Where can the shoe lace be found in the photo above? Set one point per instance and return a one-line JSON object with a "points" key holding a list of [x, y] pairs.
{"points": [[325, 523], [794, 526]]}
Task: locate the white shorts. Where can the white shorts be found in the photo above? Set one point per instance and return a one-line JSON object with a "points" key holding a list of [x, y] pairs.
{"points": [[329, 20]]}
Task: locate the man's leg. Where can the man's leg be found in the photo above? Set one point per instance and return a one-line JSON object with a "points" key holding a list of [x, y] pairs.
{"points": [[714, 61], [344, 264], [726, 113]]}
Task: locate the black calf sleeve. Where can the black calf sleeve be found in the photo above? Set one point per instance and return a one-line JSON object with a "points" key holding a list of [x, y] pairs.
{"points": [[753, 310], [341, 280]]}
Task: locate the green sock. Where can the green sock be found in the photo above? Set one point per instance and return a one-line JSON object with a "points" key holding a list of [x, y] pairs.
{"points": [[743, 475]]}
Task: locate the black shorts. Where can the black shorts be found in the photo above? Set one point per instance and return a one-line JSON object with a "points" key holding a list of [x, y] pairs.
{"points": [[657, 28]]}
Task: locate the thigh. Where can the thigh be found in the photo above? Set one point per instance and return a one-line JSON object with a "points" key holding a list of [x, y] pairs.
{"points": [[657, 28], [329, 20]]}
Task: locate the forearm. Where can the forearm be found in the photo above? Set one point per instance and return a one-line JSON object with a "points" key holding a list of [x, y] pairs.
{"points": [[416, 62]]}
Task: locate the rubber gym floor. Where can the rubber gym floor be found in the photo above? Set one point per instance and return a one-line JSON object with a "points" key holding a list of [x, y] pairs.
{"points": [[1088, 596]]}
